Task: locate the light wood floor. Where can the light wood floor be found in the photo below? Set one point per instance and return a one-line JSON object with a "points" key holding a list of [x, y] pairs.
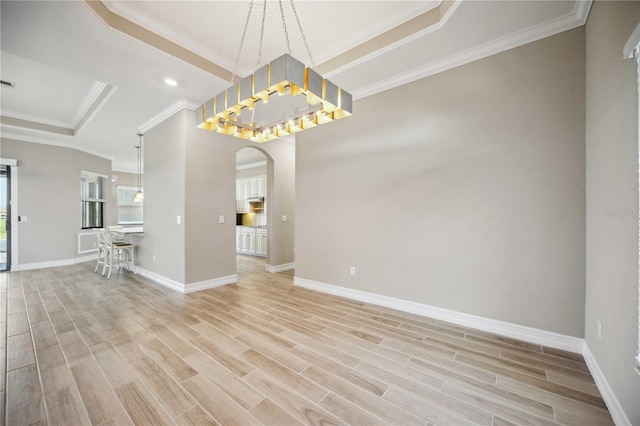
{"points": [[78, 349]]}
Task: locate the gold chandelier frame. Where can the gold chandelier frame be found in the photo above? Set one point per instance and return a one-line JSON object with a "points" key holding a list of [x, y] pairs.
{"points": [[284, 76]]}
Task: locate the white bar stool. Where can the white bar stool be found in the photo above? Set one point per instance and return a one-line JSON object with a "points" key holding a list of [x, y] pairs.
{"points": [[119, 251]]}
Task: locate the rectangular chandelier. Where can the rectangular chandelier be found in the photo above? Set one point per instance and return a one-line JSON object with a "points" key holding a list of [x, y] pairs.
{"points": [[252, 109]]}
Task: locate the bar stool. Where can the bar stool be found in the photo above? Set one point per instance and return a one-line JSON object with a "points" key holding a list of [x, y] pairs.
{"points": [[117, 250], [102, 249]]}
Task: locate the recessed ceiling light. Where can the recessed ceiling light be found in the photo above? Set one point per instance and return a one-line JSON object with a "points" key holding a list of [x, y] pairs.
{"points": [[170, 82]]}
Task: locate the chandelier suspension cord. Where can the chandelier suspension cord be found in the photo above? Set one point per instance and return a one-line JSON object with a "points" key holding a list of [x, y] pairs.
{"points": [[264, 14], [244, 33], [284, 25], [306, 45]]}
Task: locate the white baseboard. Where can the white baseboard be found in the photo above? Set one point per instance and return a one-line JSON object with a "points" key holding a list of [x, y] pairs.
{"points": [[187, 288], [528, 334], [53, 263], [216, 282], [615, 409], [280, 268], [162, 280]]}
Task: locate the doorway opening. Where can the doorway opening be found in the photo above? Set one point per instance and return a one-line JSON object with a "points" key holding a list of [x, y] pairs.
{"points": [[5, 217], [252, 207]]}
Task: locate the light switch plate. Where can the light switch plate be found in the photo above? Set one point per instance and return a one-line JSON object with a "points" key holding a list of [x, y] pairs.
{"points": [[221, 219], [284, 218], [179, 220]]}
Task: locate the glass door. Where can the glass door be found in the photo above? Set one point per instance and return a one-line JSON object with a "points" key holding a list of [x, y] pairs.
{"points": [[5, 218]]}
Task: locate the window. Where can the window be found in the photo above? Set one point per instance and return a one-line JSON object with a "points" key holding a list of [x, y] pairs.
{"points": [[129, 211], [92, 199]]}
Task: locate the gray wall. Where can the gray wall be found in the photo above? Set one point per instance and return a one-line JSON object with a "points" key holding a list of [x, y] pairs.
{"points": [[49, 195], [164, 199], [464, 190], [191, 172], [612, 199], [210, 193]]}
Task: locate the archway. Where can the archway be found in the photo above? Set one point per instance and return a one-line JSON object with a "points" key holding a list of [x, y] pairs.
{"points": [[254, 188]]}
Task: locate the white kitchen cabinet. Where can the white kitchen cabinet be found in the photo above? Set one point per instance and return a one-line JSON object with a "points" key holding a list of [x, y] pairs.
{"points": [[250, 240], [238, 239], [261, 242], [249, 187], [241, 199], [261, 186]]}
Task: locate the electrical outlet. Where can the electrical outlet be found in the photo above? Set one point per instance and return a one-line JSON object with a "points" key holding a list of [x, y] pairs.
{"points": [[284, 218], [599, 329], [221, 219], [352, 271]]}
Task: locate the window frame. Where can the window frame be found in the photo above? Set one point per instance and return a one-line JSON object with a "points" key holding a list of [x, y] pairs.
{"points": [[87, 200], [141, 204]]}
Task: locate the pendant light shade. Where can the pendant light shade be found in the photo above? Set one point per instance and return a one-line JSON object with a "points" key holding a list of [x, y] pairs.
{"points": [[139, 195]]}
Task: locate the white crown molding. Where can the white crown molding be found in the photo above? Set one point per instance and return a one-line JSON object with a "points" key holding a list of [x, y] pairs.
{"points": [[515, 331], [581, 9], [280, 268], [418, 34], [39, 120], [170, 34], [375, 29], [251, 165], [615, 409], [87, 105], [6, 132], [165, 114], [89, 99], [92, 103], [549, 28], [370, 31], [96, 104]]}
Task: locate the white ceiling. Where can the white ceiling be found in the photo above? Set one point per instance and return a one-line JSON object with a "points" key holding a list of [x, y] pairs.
{"points": [[92, 77]]}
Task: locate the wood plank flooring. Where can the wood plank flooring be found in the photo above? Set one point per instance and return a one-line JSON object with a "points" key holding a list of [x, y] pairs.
{"points": [[78, 349]]}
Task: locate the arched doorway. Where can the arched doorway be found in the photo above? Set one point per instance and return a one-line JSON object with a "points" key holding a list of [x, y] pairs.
{"points": [[253, 180]]}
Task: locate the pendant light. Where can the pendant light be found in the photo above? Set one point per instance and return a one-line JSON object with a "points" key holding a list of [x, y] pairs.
{"points": [[139, 195], [312, 99]]}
